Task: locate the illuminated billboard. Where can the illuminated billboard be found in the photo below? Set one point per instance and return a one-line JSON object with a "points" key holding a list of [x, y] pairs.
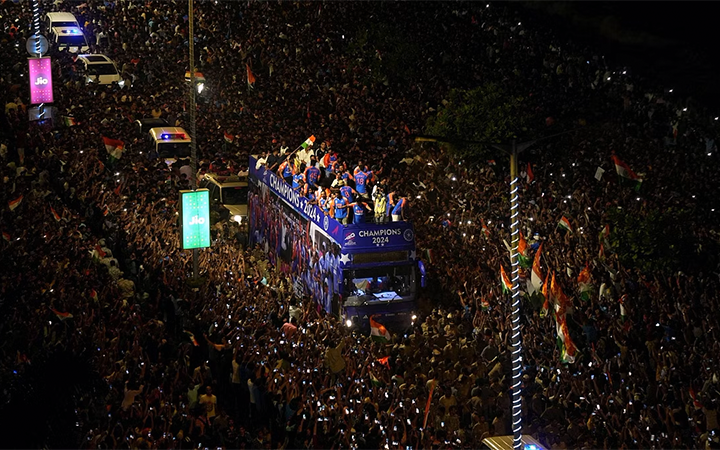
{"points": [[195, 218], [41, 88]]}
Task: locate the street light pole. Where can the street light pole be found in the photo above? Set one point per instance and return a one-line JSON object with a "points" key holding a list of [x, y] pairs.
{"points": [[193, 136], [516, 358]]}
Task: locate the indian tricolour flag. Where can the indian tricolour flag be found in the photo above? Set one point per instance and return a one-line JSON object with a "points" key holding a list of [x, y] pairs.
{"points": [[505, 281], [484, 305], [584, 285], [308, 142], [69, 121], [62, 315], [626, 174], [15, 203], [536, 274], [564, 341], [229, 138], [55, 215], [546, 304], [523, 257], [485, 228], [565, 223], [114, 147], [378, 331]]}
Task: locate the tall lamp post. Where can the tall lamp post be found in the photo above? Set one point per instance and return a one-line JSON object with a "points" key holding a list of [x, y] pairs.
{"points": [[513, 150], [193, 137]]}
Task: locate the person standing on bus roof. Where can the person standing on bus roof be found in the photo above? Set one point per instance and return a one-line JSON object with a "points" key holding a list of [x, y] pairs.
{"points": [[361, 179], [359, 208], [312, 176], [398, 212], [380, 205], [341, 213], [360, 167], [348, 193]]}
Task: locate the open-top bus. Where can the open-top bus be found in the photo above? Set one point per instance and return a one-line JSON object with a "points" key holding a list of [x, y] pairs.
{"points": [[352, 271]]}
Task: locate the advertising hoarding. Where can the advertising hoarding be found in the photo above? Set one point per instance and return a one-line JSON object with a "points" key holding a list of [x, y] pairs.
{"points": [[41, 88], [195, 219]]}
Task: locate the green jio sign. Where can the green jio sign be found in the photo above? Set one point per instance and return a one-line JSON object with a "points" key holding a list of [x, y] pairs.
{"points": [[195, 217]]}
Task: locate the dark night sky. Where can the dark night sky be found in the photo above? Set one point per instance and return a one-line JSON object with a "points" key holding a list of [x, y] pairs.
{"points": [[671, 42]]}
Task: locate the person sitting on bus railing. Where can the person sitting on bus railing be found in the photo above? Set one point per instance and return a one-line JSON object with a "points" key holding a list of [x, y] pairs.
{"points": [[286, 170], [297, 178], [341, 209], [308, 192], [359, 208]]}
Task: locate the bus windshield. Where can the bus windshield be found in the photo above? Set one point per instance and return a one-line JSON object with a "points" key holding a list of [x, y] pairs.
{"points": [[385, 282], [235, 195], [173, 149]]}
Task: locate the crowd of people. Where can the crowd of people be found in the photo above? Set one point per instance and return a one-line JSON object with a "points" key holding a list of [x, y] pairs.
{"points": [[93, 267]]}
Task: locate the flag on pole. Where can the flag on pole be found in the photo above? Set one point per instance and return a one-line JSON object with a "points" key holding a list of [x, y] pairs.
{"points": [[6, 236], [485, 229], [584, 283], [564, 341], [55, 214], [192, 338], [523, 257], [229, 138], [374, 380], [15, 203], [536, 274], [484, 305], [308, 142], [546, 304], [530, 175], [427, 405], [378, 331], [384, 361], [565, 223], [101, 165], [505, 281], [605, 235], [623, 314], [250, 77], [626, 174], [114, 147], [558, 295]]}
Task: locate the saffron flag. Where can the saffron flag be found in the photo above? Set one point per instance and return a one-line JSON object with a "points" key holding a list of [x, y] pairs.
{"points": [[564, 341], [523, 257], [229, 138], [584, 283], [15, 203], [626, 174], [62, 315], [565, 223], [559, 296], [308, 142], [250, 77], [114, 147], [378, 331], [530, 175], [505, 281], [55, 214], [546, 304], [384, 361], [536, 275]]}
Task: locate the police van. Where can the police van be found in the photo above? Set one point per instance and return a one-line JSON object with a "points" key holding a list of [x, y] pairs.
{"points": [[170, 143], [70, 38], [60, 20], [228, 194]]}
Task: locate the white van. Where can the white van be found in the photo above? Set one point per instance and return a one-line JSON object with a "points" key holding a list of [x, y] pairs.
{"points": [[99, 69], [60, 20], [71, 38], [230, 193], [170, 143]]}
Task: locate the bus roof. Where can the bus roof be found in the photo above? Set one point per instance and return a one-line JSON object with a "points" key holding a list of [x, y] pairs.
{"points": [[353, 239]]}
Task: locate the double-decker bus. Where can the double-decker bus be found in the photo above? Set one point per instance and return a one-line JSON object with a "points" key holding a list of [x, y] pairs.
{"points": [[352, 271]]}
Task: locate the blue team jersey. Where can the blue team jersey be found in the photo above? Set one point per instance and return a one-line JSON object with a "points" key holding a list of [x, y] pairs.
{"points": [[399, 206], [346, 192], [296, 180], [287, 170], [340, 213], [312, 175], [361, 181], [358, 209]]}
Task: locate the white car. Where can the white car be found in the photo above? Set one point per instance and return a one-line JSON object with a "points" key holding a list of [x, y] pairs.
{"points": [[99, 69], [60, 20], [71, 38]]}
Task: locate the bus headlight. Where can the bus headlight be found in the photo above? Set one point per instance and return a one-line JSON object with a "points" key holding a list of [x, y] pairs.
{"points": [[237, 218], [200, 87]]}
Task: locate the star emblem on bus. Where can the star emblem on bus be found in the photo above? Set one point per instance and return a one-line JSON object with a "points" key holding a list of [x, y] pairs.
{"points": [[344, 258]]}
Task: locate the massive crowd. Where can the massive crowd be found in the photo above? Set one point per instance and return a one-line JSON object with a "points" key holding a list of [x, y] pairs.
{"points": [[92, 264]]}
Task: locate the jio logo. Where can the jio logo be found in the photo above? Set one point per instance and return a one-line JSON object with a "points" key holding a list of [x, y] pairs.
{"points": [[197, 220], [39, 81]]}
